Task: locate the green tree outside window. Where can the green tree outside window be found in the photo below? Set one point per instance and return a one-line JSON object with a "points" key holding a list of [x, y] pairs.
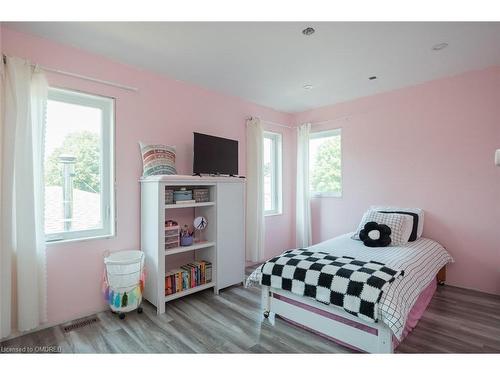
{"points": [[326, 173], [85, 146]]}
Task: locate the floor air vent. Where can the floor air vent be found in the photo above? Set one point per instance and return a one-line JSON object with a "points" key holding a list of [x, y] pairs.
{"points": [[80, 324]]}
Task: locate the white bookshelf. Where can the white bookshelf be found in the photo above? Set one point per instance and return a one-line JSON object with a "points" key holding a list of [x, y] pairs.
{"points": [[224, 237]]}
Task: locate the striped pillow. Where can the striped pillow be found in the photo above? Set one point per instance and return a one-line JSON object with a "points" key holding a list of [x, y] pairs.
{"points": [[157, 159], [401, 225]]}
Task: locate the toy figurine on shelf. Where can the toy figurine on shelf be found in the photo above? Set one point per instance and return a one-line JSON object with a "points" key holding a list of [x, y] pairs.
{"points": [[186, 236]]}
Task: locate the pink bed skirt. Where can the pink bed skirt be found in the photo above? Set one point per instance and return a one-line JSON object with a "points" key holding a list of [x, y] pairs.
{"points": [[411, 321], [417, 310]]}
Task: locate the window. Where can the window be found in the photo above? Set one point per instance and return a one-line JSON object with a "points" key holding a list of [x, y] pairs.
{"points": [[325, 163], [79, 176], [272, 173]]}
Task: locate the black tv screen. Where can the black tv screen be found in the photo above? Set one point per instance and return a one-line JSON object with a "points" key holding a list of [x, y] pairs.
{"points": [[215, 155]]}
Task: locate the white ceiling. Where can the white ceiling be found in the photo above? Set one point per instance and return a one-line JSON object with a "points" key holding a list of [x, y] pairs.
{"points": [[269, 63]]}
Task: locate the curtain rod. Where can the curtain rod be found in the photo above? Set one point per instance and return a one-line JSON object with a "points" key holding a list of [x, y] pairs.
{"points": [[312, 123], [277, 124], [83, 77], [341, 118], [331, 120], [273, 123]]}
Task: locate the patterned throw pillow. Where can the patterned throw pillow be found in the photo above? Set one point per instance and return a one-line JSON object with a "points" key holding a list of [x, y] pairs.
{"points": [[401, 225], [418, 211], [157, 159]]}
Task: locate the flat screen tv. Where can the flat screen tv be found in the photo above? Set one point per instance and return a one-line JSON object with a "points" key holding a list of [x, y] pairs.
{"points": [[215, 155]]}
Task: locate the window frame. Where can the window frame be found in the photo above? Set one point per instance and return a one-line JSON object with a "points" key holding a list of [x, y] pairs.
{"points": [[276, 173], [107, 168], [324, 134]]}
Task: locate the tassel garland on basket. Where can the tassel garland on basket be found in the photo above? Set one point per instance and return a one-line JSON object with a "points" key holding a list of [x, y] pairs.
{"points": [[138, 292], [111, 297], [106, 294], [132, 297], [142, 279], [118, 300], [105, 287]]}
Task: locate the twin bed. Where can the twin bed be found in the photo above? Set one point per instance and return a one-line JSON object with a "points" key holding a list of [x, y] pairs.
{"points": [[401, 305]]}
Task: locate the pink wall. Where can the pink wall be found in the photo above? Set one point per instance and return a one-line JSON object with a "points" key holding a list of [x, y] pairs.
{"points": [[164, 110], [428, 146]]}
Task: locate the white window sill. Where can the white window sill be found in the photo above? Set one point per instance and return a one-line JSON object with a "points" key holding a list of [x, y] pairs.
{"points": [[326, 195], [273, 214], [70, 240]]}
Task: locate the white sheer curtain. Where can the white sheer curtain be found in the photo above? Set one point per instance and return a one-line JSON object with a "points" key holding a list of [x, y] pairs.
{"points": [[22, 247], [255, 191], [303, 202]]}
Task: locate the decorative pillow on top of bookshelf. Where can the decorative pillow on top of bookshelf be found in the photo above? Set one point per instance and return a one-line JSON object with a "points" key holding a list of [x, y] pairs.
{"points": [[157, 159]]}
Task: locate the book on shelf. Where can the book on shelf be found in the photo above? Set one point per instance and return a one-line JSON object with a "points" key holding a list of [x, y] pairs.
{"points": [[188, 276], [201, 274], [191, 275], [208, 272], [168, 284], [194, 271]]}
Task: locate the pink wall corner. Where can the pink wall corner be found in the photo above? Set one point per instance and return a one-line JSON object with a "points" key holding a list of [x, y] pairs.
{"points": [[428, 146], [163, 110]]}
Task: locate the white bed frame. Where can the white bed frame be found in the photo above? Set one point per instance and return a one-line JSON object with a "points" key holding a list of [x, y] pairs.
{"points": [[327, 320]]}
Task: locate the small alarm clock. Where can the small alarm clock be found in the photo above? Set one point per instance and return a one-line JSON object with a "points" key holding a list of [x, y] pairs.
{"points": [[200, 223]]}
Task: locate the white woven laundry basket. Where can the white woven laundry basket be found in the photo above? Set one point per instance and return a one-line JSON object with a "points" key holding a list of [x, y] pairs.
{"points": [[124, 280]]}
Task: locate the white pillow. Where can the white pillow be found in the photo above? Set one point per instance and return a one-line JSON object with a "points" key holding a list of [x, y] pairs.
{"points": [[417, 211], [401, 225]]}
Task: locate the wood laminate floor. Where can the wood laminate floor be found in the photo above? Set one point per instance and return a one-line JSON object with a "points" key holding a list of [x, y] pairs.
{"points": [[457, 321]]}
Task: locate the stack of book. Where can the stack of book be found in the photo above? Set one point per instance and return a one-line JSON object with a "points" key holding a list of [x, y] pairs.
{"points": [[188, 276]]}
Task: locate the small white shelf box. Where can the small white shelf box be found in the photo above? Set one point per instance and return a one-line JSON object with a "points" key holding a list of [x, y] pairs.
{"points": [[225, 234]]}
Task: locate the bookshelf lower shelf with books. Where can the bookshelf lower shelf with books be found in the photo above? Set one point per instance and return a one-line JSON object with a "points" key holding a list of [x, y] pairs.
{"points": [[186, 292], [188, 277]]}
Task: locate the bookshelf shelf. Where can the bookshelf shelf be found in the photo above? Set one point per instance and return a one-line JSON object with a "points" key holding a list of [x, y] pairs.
{"points": [[186, 292], [187, 205], [183, 249]]}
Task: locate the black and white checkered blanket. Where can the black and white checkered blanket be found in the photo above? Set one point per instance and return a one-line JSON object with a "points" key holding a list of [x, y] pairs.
{"points": [[353, 285]]}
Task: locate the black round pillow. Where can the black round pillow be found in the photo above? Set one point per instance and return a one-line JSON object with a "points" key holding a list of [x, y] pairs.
{"points": [[375, 235]]}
